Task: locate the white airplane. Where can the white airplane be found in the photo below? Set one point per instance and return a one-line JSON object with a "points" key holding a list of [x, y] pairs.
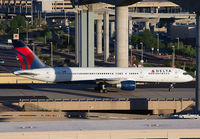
{"points": [[124, 78]]}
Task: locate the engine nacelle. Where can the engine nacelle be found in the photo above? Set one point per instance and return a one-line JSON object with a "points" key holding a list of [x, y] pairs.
{"points": [[127, 85]]}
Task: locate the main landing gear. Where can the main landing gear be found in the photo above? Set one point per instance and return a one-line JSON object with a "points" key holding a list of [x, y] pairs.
{"points": [[171, 86], [101, 88]]}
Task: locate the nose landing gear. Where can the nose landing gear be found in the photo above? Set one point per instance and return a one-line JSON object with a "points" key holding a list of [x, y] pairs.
{"points": [[171, 86]]}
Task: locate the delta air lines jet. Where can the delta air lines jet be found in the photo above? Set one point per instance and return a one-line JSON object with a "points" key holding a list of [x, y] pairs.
{"points": [[124, 78]]}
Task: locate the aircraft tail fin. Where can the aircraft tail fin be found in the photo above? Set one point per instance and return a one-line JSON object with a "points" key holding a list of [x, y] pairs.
{"points": [[27, 58]]}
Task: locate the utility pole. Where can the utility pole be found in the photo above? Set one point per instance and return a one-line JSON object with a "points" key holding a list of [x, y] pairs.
{"points": [[51, 54]]}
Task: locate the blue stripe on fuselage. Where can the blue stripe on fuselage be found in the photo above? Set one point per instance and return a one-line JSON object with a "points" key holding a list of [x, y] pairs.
{"points": [[37, 63]]}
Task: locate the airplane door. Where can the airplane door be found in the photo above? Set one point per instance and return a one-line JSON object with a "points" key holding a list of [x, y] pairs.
{"points": [[141, 73], [47, 74], [176, 73]]}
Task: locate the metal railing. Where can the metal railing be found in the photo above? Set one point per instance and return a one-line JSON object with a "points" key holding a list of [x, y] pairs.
{"points": [[106, 99]]}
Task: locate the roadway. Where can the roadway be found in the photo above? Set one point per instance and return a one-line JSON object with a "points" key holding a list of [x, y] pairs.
{"points": [[181, 15], [86, 91], [9, 57]]}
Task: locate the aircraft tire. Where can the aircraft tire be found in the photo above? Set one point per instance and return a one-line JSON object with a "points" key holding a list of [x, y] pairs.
{"points": [[105, 91], [101, 91]]}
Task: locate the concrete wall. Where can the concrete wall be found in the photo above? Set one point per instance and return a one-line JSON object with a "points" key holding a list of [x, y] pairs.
{"points": [[56, 5], [81, 105], [158, 107], [46, 6], [182, 31], [105, 134]]}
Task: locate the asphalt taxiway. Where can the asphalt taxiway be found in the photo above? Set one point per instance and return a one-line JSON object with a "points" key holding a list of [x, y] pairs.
{"points": [[86, 91], [9, 57]]}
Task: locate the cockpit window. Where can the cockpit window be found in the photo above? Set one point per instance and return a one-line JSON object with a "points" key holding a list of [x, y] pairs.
{"points": [[185, 73]]}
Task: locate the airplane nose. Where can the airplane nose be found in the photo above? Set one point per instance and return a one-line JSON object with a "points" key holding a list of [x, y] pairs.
{"points": [[190, 78]]}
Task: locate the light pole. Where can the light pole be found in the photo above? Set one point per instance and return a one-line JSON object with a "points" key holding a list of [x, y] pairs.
{"points": [[65, 17], [68, 32], [68, 35], [173, 58], [33, 48], [40, 19], [51, 54], [158, 43], [18, 31], [142, 61], [178, 43], [131, 59], [31, 12], [152, 49], [27, 31], [1, 3]]}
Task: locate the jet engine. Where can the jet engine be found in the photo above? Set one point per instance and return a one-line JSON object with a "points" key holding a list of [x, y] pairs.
{"points": [[127, 85]]}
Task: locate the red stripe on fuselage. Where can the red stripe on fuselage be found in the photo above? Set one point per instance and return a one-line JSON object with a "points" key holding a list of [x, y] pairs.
{"points": [[29, 56]]}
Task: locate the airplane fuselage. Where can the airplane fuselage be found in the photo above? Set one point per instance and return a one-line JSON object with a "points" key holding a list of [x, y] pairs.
{"points": [[124, 78], [147, 74]]}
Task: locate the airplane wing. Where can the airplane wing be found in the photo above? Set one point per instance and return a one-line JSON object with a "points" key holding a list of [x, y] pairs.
{"points": [[25, 73]]}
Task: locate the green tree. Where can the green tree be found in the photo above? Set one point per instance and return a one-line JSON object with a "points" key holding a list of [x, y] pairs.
{"points": [[18, 22], [135, 39], [4, 27], [48, 34], [37, 22], [41, 39], [186, 50], [59, 33], [147, 38]]}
